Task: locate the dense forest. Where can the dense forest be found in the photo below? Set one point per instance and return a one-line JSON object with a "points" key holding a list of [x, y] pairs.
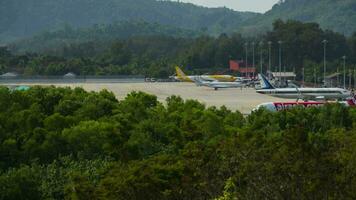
{"points": [[96, 52], [61, 143]]}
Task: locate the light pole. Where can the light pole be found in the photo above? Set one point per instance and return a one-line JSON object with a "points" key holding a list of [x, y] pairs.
{"points": [[350, 75], [303, 82], [354, 79], [314, 77], [261, 57], [280, 60], [246, 61], [338, 77], [269, 55], [253, 56], [325, 42], [344, 58]]}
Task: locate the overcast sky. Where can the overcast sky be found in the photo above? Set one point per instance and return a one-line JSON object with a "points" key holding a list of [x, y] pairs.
{"points": [[240, 5]]}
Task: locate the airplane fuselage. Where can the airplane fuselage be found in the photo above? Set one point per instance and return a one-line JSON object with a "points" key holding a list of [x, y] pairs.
{"points": [[279, 106], [293, 93], [222, 78], [217, 85]]}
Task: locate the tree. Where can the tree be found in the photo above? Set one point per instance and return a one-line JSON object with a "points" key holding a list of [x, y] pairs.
{"points": [[20, 183]]}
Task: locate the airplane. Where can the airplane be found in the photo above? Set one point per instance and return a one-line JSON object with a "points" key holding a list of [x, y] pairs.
{"points": [[184, 78], [301, 93], [219, 85], [279, 106]]}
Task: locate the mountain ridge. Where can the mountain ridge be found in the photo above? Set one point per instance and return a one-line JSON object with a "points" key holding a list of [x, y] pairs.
{"points": [[338, 16], [22, 19], [25, 19], [101, 33]]}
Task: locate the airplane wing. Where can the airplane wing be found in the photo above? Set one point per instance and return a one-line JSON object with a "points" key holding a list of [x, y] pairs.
{"points": [[313, 97], [199, 82]]}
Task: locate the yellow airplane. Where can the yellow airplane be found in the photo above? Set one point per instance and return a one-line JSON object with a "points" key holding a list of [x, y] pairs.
{"points": [[184, 78]]}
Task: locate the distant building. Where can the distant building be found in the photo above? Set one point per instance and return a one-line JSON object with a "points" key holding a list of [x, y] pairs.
{"points": [[69, 75], [235, 65], [239, 66], [9, 75], [332, 80]]}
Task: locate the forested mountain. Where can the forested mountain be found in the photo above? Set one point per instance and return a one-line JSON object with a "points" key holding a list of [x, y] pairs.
{"points": [[102, 35], [20, 18], [338, 15]]}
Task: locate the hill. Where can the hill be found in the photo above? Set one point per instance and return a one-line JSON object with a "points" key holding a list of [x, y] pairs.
{"points": [[339, 16], [20, 18], [102, 35]]}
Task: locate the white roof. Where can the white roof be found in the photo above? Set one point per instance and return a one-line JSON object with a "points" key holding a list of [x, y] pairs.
{"points": [[284, 74], [9, 74], [70, 74]]}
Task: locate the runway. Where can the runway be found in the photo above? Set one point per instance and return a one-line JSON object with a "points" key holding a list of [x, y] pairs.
{"points": [[243, 100]]}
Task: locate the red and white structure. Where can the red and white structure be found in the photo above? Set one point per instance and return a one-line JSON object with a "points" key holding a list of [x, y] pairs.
{"points": [[279, 106]]}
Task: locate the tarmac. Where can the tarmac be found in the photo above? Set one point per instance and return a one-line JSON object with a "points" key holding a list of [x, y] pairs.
{"points": [[243, 100]]}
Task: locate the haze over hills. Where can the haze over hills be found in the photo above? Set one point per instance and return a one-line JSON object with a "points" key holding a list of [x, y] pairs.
{"points": [[339, 16], [20, 18]]}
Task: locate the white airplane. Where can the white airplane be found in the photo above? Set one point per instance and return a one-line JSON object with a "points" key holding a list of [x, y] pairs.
{"points": [[301, 93], [219, 85], [279, 106], [184, 78]]}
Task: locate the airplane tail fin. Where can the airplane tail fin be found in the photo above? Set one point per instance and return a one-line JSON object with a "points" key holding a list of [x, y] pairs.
{"points": [[265, 84], [180, 73]]}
